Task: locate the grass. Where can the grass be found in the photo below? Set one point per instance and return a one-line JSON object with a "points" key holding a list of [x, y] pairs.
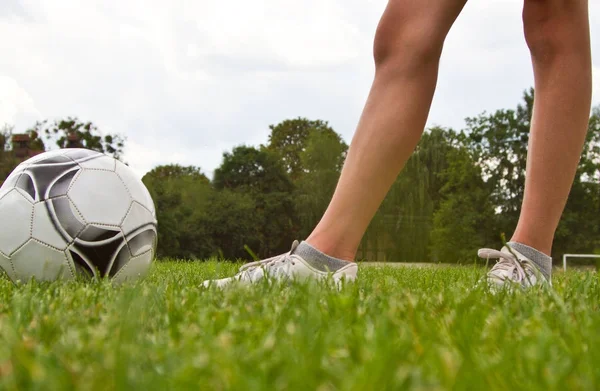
{"points": [[396, 328]]}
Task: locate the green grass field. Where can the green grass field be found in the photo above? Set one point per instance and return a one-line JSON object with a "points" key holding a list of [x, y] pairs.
{"points": [[396, 328]]}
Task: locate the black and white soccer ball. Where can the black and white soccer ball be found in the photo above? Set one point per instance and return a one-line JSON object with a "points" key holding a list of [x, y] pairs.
{"points": [[75, 212]]}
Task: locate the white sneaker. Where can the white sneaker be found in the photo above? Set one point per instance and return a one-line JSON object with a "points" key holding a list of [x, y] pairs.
{"points": [[288, 266], [512, 267]]}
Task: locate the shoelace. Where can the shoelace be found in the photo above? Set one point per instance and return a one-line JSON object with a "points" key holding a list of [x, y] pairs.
{"points": [[270, 262], [267, 263], [509, 263]]}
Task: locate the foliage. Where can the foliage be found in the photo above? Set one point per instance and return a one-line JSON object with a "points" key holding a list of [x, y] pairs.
{"points": [[231, 223], [65, 133], [8, 160], [181, 195], [394, 329], [71, 132], [289, 138], [401, 229], [259, 174], [579, 231], [461, 223], [460, 190], [6, 132], [499, 142], [172, 171], [250, 169], [322, 161]]}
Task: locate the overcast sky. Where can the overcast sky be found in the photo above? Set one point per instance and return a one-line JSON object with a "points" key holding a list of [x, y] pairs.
{"points": [[185, 81]]}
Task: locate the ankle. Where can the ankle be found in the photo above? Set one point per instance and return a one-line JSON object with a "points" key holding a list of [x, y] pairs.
{"points": [[533, 241], [541, 260], [334, 249]]}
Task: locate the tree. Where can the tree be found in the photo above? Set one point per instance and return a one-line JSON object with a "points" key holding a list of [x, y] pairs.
{"points": [[432, 155], [288, 140], [5, 132], [260, 174], [73, 133], [459, 224], [232, 222], [322, 160], [173, 171], [195, 220], [9, 157], [499, 143], [578, 230], [35, 142], [250, 169], [182, 196], [401, 228], [7, 160]]}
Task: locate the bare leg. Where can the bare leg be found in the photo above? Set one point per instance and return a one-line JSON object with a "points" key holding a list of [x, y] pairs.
{"points": [[407, 48], [557, 32]]}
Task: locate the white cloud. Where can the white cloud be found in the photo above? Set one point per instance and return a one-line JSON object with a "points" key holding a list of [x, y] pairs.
{"points": [[295, 33], [15, 103], [186, 80]]}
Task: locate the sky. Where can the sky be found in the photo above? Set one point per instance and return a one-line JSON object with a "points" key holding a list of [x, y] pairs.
{"points": [[186, 80]]}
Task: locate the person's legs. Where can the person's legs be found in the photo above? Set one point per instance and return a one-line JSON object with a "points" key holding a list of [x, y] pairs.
{"points": [[408, 45], [407, 48], [557, 33]]}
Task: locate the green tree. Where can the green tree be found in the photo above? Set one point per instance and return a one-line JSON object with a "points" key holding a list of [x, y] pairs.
{"points": [[73, 133], [35, 141], [7, 160], [8, 156], [260, 174], [459, 224], [175, 171], [401, 228], [182, 196], [252, 170], [5, 133], [499, 143], [231, 223], [432, 155], [322, 160], [578, 230], [288, 140]]}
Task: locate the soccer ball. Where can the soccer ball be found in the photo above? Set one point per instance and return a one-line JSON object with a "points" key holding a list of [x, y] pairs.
{"points": [[75, 212]]}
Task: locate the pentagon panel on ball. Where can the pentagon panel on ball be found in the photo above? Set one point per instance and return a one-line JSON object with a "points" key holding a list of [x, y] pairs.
{"points": [[75, 212]]}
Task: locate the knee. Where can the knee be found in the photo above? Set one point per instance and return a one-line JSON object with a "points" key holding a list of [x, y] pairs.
{"points": [[552, 27], [405, 41]]}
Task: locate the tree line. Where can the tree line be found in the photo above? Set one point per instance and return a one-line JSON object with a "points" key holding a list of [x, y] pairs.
{"points": [[460, 190], [65, 133]]}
